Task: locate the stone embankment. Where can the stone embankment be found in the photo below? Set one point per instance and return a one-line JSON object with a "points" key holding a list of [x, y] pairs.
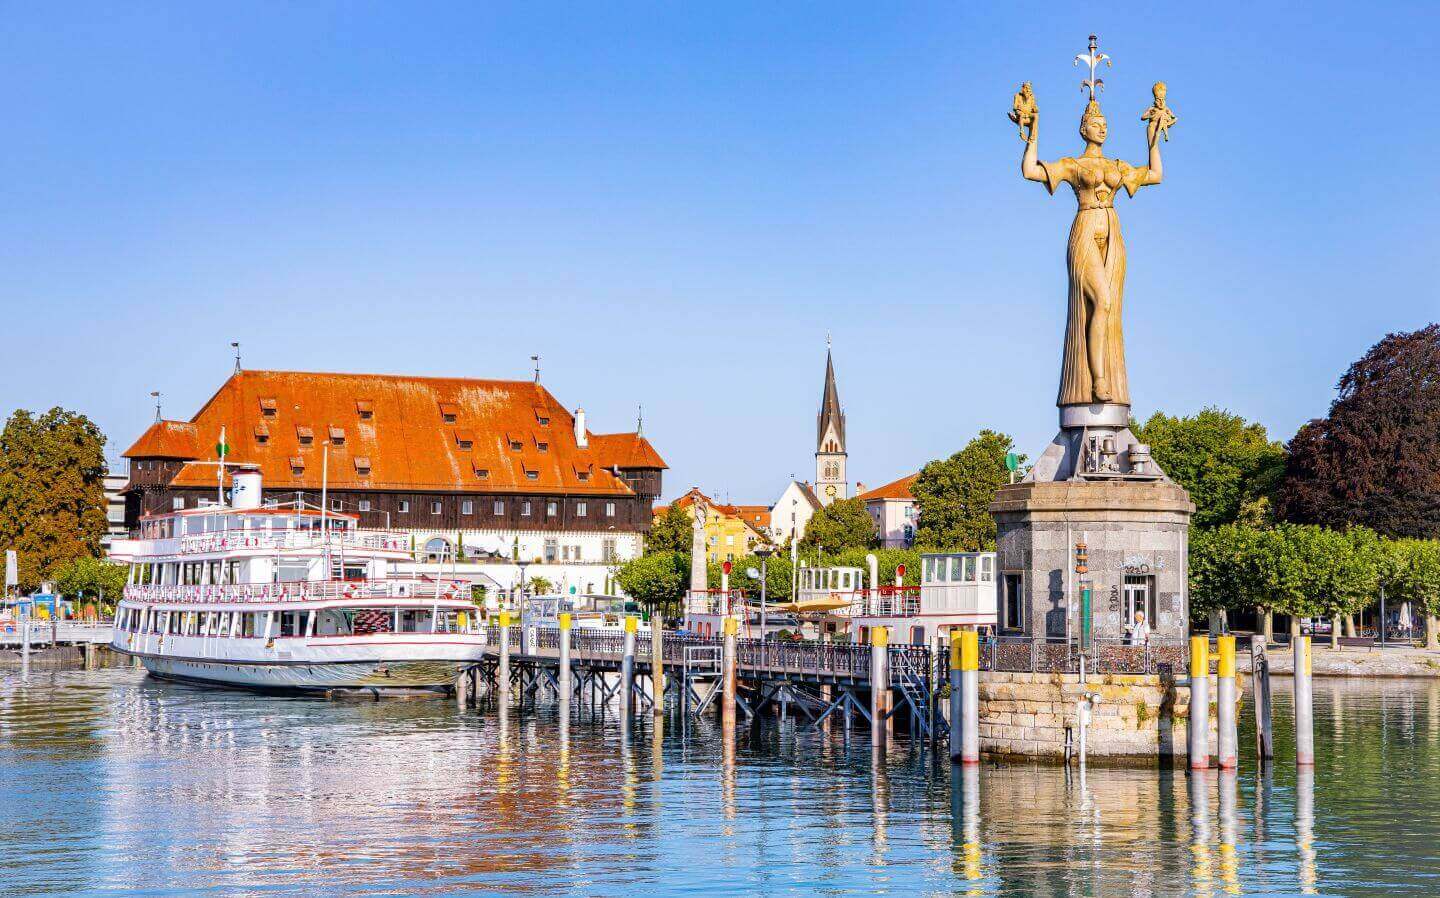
{"points": [[1134, 718], [1352, 662]]}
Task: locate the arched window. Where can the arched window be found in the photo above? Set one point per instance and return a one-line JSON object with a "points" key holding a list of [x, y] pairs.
{"points": [[438, 550]]}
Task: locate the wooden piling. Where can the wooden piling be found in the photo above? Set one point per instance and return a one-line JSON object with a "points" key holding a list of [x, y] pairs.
{"points": [[1260, 686]]}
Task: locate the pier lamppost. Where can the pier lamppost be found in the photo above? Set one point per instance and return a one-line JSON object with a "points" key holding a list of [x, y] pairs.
{"points": [[763, 553]]}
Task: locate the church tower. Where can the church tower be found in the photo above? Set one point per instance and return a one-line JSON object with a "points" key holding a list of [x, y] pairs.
{"points": [[830, 440]]}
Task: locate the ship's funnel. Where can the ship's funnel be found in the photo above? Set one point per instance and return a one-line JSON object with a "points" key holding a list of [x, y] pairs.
{"points": [[245, 491]]}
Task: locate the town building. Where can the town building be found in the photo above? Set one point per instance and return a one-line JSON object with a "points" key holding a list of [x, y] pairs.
{"points": [[892, 508], [731, 531], [490, 476], [115, 483], [791, 512]]}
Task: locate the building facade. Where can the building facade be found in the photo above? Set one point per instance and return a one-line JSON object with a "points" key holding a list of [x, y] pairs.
{"points": [[484, 473], [892, 509], [731, 531]]}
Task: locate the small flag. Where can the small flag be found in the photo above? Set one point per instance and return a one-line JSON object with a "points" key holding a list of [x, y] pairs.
{"points": [[222, 448]]}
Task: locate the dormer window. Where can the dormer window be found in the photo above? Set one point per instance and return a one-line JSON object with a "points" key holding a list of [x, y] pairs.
{"points": [[482, 473], [337, 435], [464, 440], [304, 434], [362, 465], [262, 434], [449, 412], [516, 445], [269, 407], [543, 447], [532, 475], [297, 465], [365, 409], [542, 416], [583, 475]]}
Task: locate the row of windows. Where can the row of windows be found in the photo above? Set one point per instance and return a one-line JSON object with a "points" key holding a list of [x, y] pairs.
{"points": [[437, 506]]}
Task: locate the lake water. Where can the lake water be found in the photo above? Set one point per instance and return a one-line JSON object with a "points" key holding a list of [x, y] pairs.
{"points": [[111, 782]]}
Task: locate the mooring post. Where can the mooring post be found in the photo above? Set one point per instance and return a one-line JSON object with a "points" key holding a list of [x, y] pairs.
{"points": [[502, 671], [563, 679], [1225, 741], [657, 662], [970, 697], [879, 683], [1260, 686], [462, 683], [627, 667], [1199, 726], [956, 702], [727, 697], [1304, 709]]}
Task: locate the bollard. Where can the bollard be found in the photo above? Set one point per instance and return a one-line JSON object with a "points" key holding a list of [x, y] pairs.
{"points": [[565, 621], [657, 663], [970, 697], [627, 667], [1260, 687], [1225, 742], [879, 684], [1199, 727], [1304, 710], [727, 697], [462, 682], [502, 670], [957, 705]]}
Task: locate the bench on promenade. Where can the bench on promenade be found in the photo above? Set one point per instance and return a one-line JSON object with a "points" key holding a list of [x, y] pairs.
{"points": [[1356, 642]]}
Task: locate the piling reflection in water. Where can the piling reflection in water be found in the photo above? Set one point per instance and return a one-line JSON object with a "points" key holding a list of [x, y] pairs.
{"points": [[1227, 784], [965, 825], [1309, 876]]}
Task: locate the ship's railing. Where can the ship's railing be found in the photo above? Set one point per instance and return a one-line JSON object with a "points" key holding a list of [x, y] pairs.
{"points": [[1023, 654], [301, 591], [713, 601], [229, 540], [893, 601]]}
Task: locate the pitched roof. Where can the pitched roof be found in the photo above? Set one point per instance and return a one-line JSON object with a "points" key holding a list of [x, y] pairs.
{"points": [[830, 412], [167, 439], [398, 423], [625, 450], [755, 515], [897, 489]]}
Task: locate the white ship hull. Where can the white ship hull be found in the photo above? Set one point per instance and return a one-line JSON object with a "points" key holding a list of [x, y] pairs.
{"points": [[308, 677]]}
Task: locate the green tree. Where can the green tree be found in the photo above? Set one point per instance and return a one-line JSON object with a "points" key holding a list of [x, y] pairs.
{"points": [[1227, 465], [52, 490], [953, 495], [777, 577], [658, 580], [673, 530], [91, 579], [1410, 572], [843, 524], [539, 586]]}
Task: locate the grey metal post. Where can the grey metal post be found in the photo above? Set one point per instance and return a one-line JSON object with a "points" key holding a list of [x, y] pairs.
{"points": [[627, 668], [1198, 734], [957, 706], [1225, 742], [1260, 686], [657, 661], [564, 676], [1304, 710], [879, 684]]}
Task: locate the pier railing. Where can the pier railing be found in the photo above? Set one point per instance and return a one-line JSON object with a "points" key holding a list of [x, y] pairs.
{"points": [[1020, 654]]}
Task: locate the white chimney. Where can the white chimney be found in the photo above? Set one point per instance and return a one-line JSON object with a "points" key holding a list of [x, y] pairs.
{"points": [[581, 438], [245, 490]]}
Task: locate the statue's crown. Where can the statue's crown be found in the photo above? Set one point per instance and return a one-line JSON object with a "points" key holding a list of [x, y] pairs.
{"points": [[1092, 110]]}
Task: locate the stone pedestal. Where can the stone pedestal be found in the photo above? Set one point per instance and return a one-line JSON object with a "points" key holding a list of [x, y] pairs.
{"points": [[1132, 528]]}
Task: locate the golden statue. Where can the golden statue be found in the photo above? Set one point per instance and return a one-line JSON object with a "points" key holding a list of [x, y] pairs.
{"points": [[1159, 113], [1093, 370], [1022, 111]]}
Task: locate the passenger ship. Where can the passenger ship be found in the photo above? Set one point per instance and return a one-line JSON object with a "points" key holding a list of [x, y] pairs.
{"points": [[261, 596]]}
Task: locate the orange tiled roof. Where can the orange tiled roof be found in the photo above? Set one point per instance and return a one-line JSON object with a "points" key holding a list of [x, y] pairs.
{"points": [[396, 423], [757, 516], [167, 439], [626, 450], [898, 489]]}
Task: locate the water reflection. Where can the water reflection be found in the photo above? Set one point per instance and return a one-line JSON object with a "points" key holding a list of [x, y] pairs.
{"points": [[110, 781]]}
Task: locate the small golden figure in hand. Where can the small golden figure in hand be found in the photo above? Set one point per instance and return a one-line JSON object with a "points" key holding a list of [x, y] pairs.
{"points": [[1024, 110], [1159, 115]]}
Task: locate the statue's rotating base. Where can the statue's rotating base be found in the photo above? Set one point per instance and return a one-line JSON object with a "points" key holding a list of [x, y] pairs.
{"points": [[1094, 484]]}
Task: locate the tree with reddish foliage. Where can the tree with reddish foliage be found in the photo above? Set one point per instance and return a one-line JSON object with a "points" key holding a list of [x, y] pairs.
{"points": [[1375, 460]]}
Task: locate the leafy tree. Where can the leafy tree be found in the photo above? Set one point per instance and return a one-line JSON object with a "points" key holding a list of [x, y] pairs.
{"points": [[90, 578], [1410, 572], [657, 580], [52, 490], [843, 524], [953, 495], [777, 576], [1223, 573], [1228, 466], [1375, 459], [539, 586], [671, 531]]}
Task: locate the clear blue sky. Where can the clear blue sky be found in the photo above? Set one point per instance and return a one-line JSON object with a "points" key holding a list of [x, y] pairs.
{"points": [[673, 203]]}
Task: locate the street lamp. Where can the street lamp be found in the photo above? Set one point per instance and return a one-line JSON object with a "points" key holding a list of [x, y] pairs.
{"points": [[763, 553]]}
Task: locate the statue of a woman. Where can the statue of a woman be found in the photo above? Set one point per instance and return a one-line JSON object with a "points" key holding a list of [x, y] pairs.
{"points": [[1094, 366]]}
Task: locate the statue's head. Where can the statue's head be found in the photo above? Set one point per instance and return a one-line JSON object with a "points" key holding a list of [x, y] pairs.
{"points": [[1025, 89], [1159, 91], [1092, 124]]}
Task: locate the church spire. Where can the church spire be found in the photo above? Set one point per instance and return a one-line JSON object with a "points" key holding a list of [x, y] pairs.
{"points": [[831, 420]]}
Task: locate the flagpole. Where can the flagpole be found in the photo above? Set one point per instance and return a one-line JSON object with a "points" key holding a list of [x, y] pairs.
{"points": [[220, 469]]}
